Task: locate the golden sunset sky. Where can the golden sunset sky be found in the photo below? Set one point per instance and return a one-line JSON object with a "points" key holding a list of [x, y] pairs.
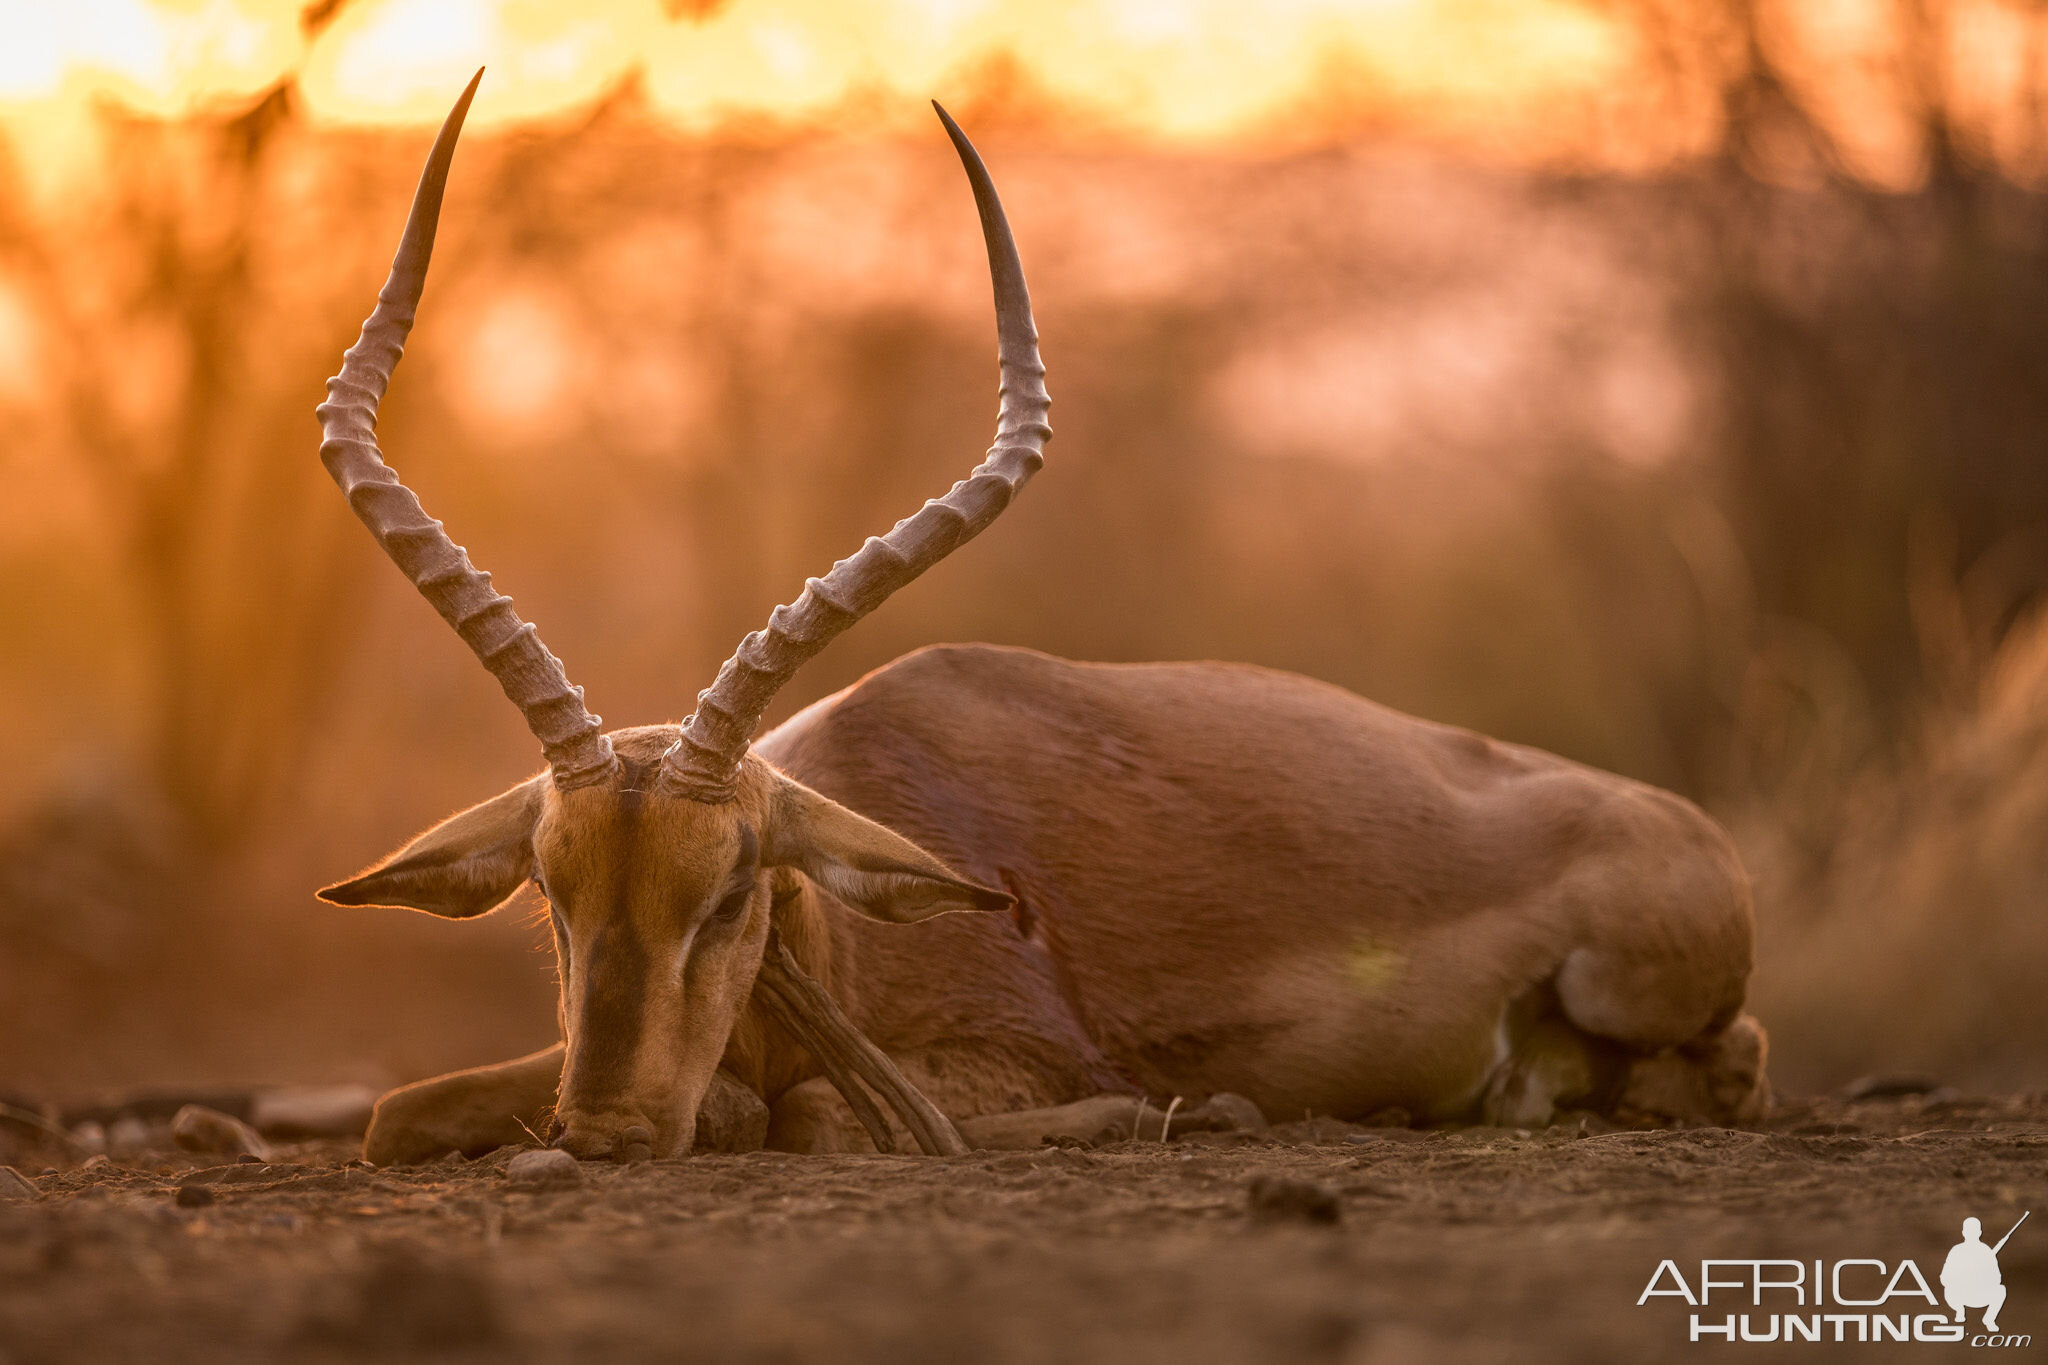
{"points": [[1525, 80], [1172, 67]]}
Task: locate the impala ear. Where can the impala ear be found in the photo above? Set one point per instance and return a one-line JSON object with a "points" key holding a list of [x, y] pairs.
{"points": [[462, 867], [871, 868]]}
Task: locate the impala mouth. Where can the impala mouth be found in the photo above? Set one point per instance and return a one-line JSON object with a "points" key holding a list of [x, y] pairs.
{"points": [[624, 1140]]}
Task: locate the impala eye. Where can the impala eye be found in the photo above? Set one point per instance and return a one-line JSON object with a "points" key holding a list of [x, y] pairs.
{"points": [[733, 906]]}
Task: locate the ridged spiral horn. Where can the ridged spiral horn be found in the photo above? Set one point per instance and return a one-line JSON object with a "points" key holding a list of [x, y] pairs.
{"points": [[577, 751], [704, 763]]}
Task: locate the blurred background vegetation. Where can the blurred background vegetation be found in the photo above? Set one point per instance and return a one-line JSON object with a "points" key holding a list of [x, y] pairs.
{"points": [[1682, 412]]}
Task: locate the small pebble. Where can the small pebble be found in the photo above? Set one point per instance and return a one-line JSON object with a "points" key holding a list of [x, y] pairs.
{"points": [[1889, 1086], [313, 1110], [1279, 1198], [128, 1137], [547, 1169], [1222, 1112], [199, 1129], [194, 1196]]}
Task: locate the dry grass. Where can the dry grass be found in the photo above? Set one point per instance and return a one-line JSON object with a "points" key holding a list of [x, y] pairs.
{"points": [[1905, 917]]}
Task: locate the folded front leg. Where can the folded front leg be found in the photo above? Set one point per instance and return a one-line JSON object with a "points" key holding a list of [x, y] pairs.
{"points": [[984, 1077], [1113, 1116], [513, 1104], [471, 1112]]}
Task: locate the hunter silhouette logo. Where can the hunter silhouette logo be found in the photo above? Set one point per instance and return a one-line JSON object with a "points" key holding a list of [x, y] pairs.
{"points": [[1854, 1299], [1970, 1278]]}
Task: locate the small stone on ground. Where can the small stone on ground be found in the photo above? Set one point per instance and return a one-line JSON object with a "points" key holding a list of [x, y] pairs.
{"points": [[199, 1129], [548, 1169]]}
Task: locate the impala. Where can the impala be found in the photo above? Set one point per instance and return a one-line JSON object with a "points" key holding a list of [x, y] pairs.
{"points": [[1181, 880]]}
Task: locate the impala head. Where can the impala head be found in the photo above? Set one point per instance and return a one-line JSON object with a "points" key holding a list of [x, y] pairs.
{"points": [[655, 846]]}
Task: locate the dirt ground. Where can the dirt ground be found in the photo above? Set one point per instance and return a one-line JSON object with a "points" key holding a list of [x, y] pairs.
{"points": [[1447, 1246]]}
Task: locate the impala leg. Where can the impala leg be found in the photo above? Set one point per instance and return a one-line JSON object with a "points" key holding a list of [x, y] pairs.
{"points": [[1112, 1118], [1663, 968], [983, 1088], [513, 1103], [472, 1111], [998, 1103], [812, 1117], [1551, 1066], [1716, 1078]]}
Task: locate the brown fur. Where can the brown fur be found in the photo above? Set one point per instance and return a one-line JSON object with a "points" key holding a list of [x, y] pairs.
{"points": [[1215, 878]]}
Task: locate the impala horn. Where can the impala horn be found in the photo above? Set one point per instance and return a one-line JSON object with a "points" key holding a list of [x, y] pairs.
{"points": [[578, 753], [704, 763]]}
